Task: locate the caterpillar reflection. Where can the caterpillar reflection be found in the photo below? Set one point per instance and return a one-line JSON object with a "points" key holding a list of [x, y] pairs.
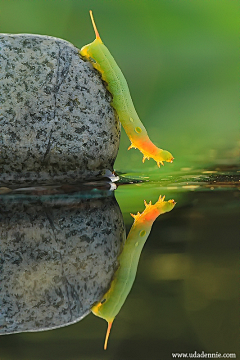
{"points": [[101, 59], [124, 277]]}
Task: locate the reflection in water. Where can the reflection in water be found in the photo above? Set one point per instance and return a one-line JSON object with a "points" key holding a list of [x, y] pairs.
{"points": [[58, 255], [113, 300], [186, 296]]}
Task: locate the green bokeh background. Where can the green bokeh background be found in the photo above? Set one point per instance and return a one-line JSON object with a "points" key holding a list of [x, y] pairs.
{"points": [[179, 57]]}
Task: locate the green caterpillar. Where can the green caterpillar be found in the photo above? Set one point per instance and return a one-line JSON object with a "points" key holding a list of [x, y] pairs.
{"points": [[123, 280], [101, 59]]}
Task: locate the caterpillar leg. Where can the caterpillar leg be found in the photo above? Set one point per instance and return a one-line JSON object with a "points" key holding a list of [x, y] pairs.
{"points": [[149, 150], [152, 211]]}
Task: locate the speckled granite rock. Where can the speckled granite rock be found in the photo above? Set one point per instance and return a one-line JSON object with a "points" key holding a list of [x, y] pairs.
{"points": [[56, 120], [57, 257]]}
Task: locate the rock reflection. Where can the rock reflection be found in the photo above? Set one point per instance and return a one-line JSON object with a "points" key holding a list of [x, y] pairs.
{"points": [[58, 256]]}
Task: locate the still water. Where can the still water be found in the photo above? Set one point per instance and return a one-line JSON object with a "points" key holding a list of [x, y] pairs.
{"points": [[60, 248]]}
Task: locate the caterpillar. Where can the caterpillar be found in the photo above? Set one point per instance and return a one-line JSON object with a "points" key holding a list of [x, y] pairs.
{"points": [[101, 59], [124, 277]]}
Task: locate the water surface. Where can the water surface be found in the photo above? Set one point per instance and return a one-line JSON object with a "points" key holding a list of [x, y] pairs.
{"points": [[185, 294]]}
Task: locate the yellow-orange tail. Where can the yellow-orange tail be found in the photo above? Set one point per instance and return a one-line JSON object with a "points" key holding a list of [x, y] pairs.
{"points": [[94, 26], [107, 334]]}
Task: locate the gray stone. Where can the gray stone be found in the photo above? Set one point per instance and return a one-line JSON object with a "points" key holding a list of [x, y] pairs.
{"points": [[57, 257], [56, 120]]}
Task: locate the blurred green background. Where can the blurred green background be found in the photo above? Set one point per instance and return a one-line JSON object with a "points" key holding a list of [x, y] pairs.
{"points": [[180, 59]]}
